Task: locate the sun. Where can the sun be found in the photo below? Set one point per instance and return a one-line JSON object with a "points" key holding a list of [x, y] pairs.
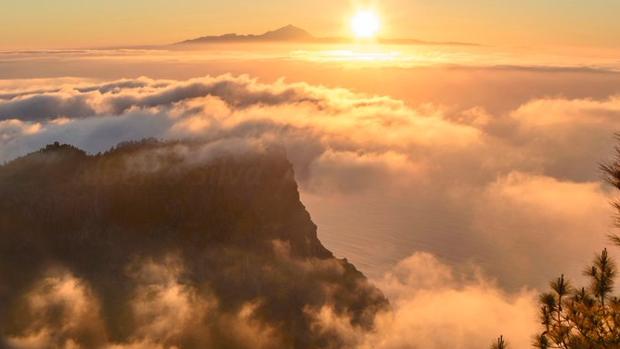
{"points": [[365, 24]]}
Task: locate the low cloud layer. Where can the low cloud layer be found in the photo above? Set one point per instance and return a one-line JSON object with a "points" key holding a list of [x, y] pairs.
{"points": [[435, 307], [516, 194], [455, 183]]}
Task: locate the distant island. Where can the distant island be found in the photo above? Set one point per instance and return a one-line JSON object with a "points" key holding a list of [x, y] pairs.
{"points": [[291, 33], [286, 33]]}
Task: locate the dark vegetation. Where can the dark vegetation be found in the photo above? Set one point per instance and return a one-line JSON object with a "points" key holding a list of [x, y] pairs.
{"points": [[94, 215], [500, 344], [585, 317]]}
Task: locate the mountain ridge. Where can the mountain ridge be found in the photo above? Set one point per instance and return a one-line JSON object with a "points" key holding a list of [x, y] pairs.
{"points": [[285, 33], [291, 33], [222, 231]]}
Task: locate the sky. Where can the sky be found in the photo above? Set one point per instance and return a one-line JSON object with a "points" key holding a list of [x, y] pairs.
{"points": [[72, 23]]}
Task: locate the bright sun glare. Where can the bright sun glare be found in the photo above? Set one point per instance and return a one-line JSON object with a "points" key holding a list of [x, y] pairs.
{"points": [[365, 24]]}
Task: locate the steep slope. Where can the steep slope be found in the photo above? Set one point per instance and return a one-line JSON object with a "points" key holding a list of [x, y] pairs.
{"points": [[224, 234]]}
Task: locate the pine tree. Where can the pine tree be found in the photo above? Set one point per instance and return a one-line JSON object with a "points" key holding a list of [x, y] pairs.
{"points": [[586, 317], [500, 344]]}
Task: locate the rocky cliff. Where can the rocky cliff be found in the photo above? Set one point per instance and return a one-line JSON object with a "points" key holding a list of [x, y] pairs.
{"points": [[167, 244]]}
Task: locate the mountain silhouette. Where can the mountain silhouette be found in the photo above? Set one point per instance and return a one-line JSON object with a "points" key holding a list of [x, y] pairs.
{"points": [[286, 33], [291, 33]]}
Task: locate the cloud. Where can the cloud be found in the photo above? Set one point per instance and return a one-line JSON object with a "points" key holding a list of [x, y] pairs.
{"points": [[436, 307], [401, 179], [59, 310], [433, 306], [494, 204], [118, 97], [63, 312], [549, 214], [45, 106]]}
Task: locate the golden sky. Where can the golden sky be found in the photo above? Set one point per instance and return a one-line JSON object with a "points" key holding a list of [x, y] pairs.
{"points": [[75, 23]]}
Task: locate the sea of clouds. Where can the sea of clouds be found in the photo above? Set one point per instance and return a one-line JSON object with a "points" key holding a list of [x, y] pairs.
{"points": [[457, 215]]}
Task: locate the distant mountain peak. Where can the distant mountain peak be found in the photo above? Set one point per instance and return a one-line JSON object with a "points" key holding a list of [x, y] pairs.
{"points": [[286, 33], [290, 33]]}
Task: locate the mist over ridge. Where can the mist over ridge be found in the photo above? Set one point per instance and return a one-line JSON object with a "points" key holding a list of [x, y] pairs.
{"points": [[222, 233]]}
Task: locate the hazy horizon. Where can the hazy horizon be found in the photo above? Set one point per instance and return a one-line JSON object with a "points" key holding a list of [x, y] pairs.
{"points": [[68, 24]]}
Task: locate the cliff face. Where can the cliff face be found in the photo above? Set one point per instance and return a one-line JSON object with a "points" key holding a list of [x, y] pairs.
{"points": [[228, 229]]}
